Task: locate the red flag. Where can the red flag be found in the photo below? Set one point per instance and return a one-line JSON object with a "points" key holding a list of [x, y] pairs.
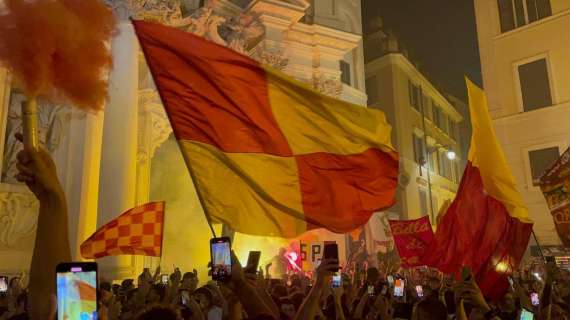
{"points": [[136, 232], [486, 227], [411, 238]]}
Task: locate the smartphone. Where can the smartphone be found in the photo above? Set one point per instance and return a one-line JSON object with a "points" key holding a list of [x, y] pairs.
{"points": [[336, 281], [526, 315], [220, 249], [184, 297], [330, 251], [76, 290], [3, 284], [252, 262], [420, 291], [371, 290], [390, 279], [164, 279], [534, 299], [399, 288]]}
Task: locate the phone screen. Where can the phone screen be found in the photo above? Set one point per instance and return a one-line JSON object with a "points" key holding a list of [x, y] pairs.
{"points": [[384, 290], [330, 251], [336, 281], [420, 291], [534, 299], [399, 288], [77, 291], [164, 279], [221, 258], [526, 315], [3, 284]]}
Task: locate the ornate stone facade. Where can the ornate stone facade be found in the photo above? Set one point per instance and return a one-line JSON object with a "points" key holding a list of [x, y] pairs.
{"points": [[18, 217]]}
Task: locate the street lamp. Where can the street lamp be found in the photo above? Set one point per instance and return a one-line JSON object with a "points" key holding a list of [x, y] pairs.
{"points": [[451, 155]]}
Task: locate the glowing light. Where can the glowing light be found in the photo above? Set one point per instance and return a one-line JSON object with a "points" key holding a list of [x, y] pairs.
{"points": [[451, 155], [502, 267]]}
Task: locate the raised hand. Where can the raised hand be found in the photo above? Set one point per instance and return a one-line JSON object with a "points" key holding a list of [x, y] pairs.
{"points": [[37, 170]]}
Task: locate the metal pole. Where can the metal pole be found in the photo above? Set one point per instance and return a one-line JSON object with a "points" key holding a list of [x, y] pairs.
{"points": [[426, 151], [538, 245]]}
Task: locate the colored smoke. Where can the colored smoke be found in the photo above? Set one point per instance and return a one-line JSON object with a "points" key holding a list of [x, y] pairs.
{"points": [[58, 49]]}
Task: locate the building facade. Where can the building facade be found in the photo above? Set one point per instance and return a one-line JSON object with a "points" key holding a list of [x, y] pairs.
{"points": [[524, 47], [426, 128], [125, 155]]}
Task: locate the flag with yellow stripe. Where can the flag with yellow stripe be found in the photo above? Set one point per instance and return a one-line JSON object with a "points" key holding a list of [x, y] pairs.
{"points": [[270, 155]]}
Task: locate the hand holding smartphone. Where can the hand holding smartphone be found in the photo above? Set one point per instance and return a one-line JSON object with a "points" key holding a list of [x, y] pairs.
{"points": [[221, 255], [336, 281], [534, 299], [76, 290], [526, 315]]}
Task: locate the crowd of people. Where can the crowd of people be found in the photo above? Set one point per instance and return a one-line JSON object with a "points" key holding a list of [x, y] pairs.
{"points": [[362, 293]]}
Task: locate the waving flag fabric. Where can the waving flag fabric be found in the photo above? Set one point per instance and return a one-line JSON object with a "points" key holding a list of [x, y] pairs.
{"points": [[487, 226], [270, 156], [138, 231]]}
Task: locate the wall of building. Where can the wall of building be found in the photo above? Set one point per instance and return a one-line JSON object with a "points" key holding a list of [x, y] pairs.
{"points": [[392, 74], [518, 131]]}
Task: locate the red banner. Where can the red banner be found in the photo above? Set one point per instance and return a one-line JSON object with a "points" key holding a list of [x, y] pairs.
{"points": [[555, 185], [411, 238]]}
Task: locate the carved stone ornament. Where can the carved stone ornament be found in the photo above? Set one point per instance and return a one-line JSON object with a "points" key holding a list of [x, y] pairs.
{"points": [[329, 86], [53, 120], [160, 128], [275, 59], [18, 217]]}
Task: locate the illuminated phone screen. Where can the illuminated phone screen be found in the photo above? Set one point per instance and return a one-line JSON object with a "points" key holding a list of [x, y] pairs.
{"points": [[526, 315], [399, 288], [221, 260], [77, 294], [336, 281]]}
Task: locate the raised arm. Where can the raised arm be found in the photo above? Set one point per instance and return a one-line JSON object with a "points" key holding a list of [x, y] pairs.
{"points": [[310, 306], [37, 170]]}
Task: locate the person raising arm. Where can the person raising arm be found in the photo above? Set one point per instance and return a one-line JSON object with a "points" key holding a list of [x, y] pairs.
{"points": [[37, 170]]}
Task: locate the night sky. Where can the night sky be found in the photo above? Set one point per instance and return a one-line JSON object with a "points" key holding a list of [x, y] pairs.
{"points": [[439, 34]]}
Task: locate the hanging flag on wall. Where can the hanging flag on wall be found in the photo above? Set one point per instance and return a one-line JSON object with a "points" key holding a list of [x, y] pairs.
{"points": [[138, 231], [411, 237], [555, 185], [487, 227], [270, 155]]}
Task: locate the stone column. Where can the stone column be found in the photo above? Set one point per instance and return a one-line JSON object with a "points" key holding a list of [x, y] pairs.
{"points": [[119, 154]]}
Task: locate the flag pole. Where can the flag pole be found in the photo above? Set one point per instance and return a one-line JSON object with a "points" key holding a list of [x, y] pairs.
{"points": [[538, 245]]}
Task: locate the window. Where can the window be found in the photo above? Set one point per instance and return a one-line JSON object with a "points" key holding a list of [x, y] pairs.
{"points": [[414, 92], [431, 161], [442, 163], [517, 13], [425, 102], [538, 9], [423, 202], [443, 122], [540, 160], [419, 150], [345, 72], [436, 115], [372, 89], [451, 126], [535, 85]]}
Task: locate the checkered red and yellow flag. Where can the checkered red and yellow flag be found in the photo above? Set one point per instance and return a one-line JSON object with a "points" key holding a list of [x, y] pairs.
{"points": [[136, 232]]}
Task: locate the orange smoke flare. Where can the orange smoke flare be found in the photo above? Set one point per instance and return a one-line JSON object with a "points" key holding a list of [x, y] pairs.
{"points": [[59, 49]]}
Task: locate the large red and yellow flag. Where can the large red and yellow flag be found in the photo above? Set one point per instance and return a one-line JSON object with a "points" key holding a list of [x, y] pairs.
{"points": [[487, 227], [138, 231], [270, 156]]}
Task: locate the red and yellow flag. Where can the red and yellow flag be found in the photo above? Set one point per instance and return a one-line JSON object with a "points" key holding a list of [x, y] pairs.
{"points": [[138, 231], [270, 155], [487, 227]]}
